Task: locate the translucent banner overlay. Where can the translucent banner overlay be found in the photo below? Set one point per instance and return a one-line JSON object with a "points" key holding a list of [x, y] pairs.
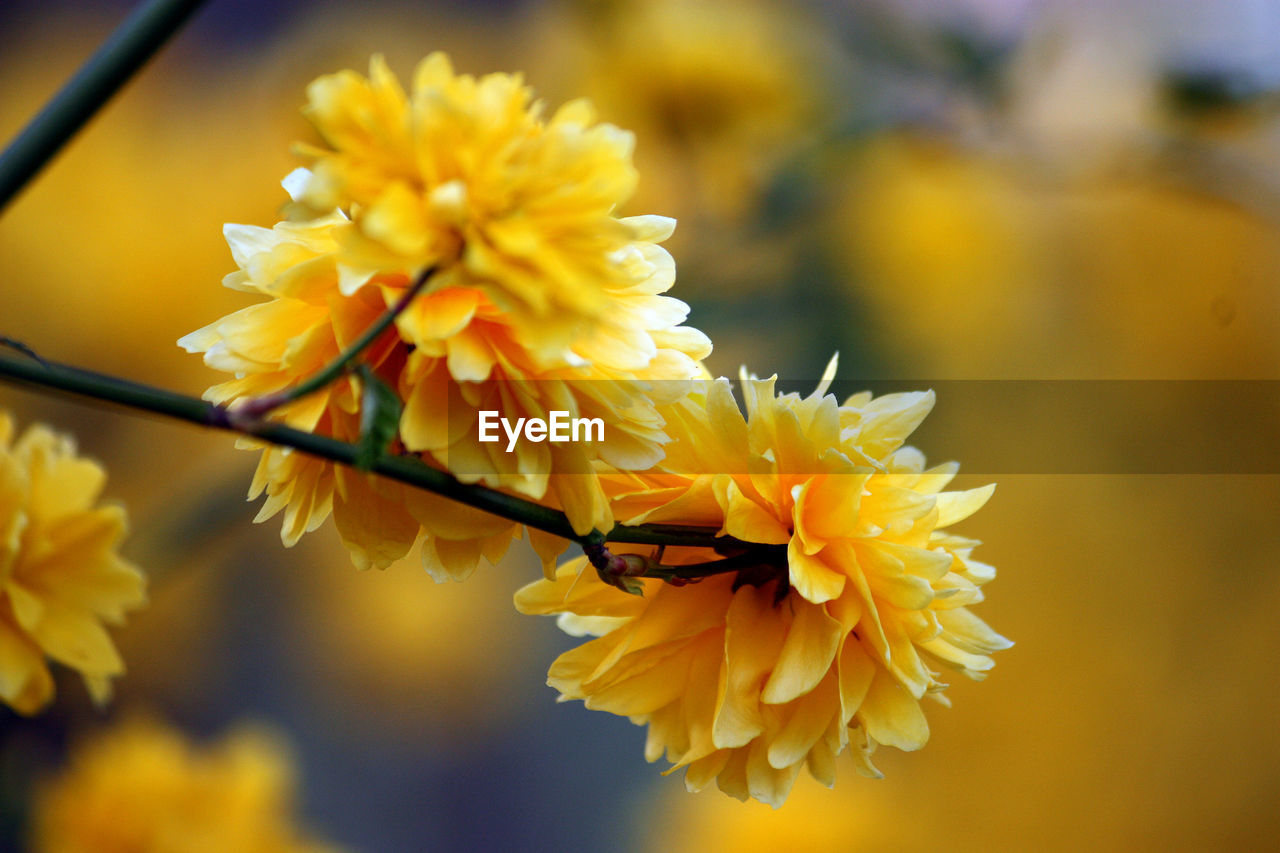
{"points": [[991, 427]]}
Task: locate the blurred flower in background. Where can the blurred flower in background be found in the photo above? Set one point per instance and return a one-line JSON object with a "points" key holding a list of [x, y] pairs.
{"points": [[141, 786], [718, 93], [61, 577]]}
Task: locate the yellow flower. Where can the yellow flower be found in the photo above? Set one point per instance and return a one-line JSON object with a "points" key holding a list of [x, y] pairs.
{"points": [[141, 787], [452, 353], [825, 640], [465, 176], [469, 355], [274, 345], [60, 575]]}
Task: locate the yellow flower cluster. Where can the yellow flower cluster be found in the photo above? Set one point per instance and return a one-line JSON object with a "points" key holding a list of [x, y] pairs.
{"points": [[538, 298], [823, 639], [142, 787], [60, 575], [489, 235]]}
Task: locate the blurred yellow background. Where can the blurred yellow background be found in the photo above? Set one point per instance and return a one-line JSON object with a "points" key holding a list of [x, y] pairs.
{"points": [[942, 191]]}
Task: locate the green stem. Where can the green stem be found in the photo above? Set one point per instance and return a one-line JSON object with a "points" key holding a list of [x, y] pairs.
{"points": [[403, 469], [259, 407], [126, 50]]}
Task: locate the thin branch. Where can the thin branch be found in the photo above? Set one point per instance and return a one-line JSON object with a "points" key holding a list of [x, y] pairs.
{"points": [[403, 469], [766, 556], [257, 408], [126, 50]]}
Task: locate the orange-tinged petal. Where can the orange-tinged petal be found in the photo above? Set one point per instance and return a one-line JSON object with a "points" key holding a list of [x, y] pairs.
{"points": [[438, 315]]}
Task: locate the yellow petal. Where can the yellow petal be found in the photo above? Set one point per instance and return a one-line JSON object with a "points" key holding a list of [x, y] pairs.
{"points": [[809, 719], [60, 484], [397, 220], [700, 773], [75, 637], [454, 559], [966, 631], [957, 506], [548, 547], [888, 579], [470, 357], [579, 491], [438, 315], [888, 420], [745, 519], [765, 782], [647, 690], [856, 671], [25, 682], [892, 715], [806, 655], [753, 638], [375, 530], [812, 577], [827, 508]]}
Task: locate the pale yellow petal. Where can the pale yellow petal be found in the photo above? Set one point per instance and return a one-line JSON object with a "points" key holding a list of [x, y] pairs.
{"points": [[807, 721], [957, 506], [892, 715]]}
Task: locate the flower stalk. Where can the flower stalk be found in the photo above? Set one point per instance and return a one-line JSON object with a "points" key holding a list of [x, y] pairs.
{"points": [[410, 470]]}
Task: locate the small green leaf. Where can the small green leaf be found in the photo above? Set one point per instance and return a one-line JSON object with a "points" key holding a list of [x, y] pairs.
{"points": [[379, 418]]}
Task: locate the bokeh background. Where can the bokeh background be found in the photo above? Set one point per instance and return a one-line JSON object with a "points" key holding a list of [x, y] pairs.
{"points": [[1083, 197]]}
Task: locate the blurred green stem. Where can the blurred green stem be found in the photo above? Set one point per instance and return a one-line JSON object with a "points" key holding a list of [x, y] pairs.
{"points": [[409, 470], [126, 50]]}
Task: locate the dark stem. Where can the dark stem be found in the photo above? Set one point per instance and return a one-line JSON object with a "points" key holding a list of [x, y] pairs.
{"points": [[19, 346], [765, 558], [403, 469], [126, 50]]}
